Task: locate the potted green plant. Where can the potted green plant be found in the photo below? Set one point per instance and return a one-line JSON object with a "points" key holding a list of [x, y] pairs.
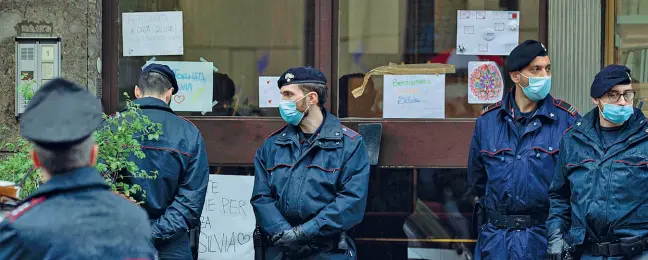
{"points": [[117, 138]]}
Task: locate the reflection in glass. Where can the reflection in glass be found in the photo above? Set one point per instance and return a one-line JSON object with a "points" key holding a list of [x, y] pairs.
{"points": [[373, 33], [244, 39], [631, 43]]}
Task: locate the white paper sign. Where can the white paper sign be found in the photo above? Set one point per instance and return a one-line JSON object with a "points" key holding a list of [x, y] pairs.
{"points": [[152, 33], [227, 220], [195, 82], [414, 96], [485, 83], [487, 32], [269, 94]]}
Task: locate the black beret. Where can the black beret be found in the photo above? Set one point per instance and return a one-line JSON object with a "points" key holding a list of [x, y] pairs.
{"points": [[523, 54], [609, 77], [60, 114], [300, 75], [165, 71]]}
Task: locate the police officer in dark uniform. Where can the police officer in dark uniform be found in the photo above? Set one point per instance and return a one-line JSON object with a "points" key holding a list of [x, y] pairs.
{"points": [[512, 156], [174, 200], [73, 215], [599, 194], [311, 176]]}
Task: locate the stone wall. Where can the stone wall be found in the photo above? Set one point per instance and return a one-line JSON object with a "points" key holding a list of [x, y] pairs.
{"points": [[76, 22]]}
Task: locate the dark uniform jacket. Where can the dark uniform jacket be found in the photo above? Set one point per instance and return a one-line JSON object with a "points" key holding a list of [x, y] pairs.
{"points": [[75, 216], [320, 183], [511, 171], [601, 195], [174, 200]]}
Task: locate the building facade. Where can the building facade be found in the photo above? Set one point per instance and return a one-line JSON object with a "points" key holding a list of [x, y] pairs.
{"points": [[418, 195]]}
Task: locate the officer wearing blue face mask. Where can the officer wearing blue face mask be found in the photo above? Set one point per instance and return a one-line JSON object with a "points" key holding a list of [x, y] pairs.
{"points": [[599, 194], [311, 176], [512, 155]]}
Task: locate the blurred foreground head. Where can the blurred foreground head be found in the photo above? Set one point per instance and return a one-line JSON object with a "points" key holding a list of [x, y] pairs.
{"points": [[59, 120]]}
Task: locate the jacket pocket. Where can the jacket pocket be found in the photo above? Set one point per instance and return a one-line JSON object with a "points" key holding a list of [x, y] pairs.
{"points": [[496, 160]]}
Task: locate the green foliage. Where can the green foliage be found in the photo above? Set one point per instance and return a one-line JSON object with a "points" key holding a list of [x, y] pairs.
{"points": [[117, 138], [26, 87]]}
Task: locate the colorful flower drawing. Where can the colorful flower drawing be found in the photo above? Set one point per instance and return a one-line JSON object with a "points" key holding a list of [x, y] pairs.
{"points": [[485, 82]]}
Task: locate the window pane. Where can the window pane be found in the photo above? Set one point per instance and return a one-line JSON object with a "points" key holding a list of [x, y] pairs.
{"points": [[631, 43], [244, 39], [373, 33]]}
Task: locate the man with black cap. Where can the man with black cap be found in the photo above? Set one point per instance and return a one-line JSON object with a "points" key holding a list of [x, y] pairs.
{"points": [[512, 155], [73, 214], [311, 176], [174, 200], [599, 194]]}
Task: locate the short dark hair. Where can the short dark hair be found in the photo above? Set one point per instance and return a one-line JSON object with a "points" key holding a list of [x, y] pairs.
{"points": [[72, 158], [153, 83], [320, 89]]}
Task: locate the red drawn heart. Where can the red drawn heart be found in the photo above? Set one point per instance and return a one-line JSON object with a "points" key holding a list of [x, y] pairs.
{"points": [[268, 82], [179, 98], [269, 101]]}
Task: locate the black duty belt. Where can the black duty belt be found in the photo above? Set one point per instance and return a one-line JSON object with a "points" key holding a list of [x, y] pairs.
{"points": [[515, 221], [627, 248]]}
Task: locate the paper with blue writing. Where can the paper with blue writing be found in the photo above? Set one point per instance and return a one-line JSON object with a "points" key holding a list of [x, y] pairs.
{"points": [[195, 80], [414, 96]]}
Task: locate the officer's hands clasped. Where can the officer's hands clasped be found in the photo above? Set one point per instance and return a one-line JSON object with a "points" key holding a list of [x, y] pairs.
{"points": [[558, 248], [291, 239]]}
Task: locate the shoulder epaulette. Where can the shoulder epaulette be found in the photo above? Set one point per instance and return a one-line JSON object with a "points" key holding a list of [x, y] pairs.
{"points": [[278, 131], [349, 132], [491, 107], [559, 103], [20, 210]]}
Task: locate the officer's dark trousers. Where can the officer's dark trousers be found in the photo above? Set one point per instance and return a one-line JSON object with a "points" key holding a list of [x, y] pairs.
{"points": [[174, 248]]}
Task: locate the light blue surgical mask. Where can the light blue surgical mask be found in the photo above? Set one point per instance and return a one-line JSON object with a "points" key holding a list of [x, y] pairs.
{"points": [[289, 112], [617, 114], [538, 88]]}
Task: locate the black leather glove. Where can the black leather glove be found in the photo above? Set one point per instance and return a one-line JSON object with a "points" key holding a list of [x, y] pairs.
{"points": [[558, 248], [292, 239]]}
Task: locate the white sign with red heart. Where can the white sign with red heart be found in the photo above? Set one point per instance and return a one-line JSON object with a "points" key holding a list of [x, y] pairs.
{"points": [[269, 95]]}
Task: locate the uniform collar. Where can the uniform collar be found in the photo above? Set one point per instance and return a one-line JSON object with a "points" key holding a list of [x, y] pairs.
{"points": [[81, 178], [329, 129], [152, 103], [587, 125], [545, 107]]}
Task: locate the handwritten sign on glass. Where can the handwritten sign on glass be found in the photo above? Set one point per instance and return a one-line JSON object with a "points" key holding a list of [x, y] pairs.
{"points": [[269, 95], [227, 220], [414, 96], [195, 82], [152, 33]]}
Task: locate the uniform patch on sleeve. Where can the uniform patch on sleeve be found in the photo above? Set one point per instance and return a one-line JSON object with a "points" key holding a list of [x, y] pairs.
{"points": [[20, 210], [559, 103], [491, 107], [349, 132]]}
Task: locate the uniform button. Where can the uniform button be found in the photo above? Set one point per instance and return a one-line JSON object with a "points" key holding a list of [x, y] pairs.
{"points": [[519, 157], [550, 148], [284, 134], [337, 142], [535, 123], [320, 143], [344, 129], [337, 134], [494, 150], [537, 155], [502, 159]]}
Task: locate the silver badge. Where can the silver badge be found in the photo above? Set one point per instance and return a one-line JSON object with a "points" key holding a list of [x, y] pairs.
{"points": [[289, 76]]}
